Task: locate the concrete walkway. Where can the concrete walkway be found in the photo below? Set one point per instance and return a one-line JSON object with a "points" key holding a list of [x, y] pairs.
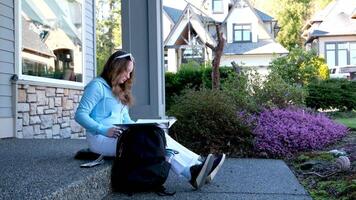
{"points": [[45, 169], [238, 179]]}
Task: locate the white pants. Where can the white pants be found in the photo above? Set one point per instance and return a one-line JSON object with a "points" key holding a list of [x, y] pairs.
{"points": [[181, 162]]}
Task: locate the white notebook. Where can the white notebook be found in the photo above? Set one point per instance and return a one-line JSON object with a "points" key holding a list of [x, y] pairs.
{"points": [[163, 123]]}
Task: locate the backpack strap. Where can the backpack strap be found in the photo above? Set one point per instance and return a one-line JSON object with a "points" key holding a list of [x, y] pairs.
{"points": [[161, 191]]}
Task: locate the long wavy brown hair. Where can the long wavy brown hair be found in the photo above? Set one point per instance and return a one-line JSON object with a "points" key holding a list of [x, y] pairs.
{"points": [[112, 69]]}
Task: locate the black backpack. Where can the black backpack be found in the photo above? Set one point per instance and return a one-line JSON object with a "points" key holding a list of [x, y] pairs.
{"points": [[140, 163]]}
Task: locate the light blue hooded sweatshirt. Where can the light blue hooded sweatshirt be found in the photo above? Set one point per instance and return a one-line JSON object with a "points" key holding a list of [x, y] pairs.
{"points": [[99, 109]]}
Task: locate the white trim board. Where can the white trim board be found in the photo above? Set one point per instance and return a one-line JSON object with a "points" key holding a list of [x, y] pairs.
{"points": [[18, 52], [7, 127]]}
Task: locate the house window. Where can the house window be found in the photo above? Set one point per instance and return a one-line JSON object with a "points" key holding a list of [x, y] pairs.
{"points": [[340, 53], [353, 53], [218, 6], [242, 33], [166, 59], [195, 53], [52, 39], [330, 55]]}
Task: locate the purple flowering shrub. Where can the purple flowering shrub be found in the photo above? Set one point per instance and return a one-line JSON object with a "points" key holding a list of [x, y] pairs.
{"points": [[282, 132]]}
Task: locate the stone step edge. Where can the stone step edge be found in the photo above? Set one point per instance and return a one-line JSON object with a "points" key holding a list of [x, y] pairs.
{"points": [[95, 186]]}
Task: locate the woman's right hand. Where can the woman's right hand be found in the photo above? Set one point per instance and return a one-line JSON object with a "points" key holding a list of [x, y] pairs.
{"points": [[115, 132]]}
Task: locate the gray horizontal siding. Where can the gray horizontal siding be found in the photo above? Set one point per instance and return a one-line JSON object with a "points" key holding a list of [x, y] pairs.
{"points": [[5, 90], [8, 21], [5, 101], [90, 61], [5, 79], [6, 33], [89, 53], [90, 44], [88, 11], [9, 3], [7, 56], [89, 24], [6, 10], [5, 112], [7, 45], [6, 68], [89, 41]]}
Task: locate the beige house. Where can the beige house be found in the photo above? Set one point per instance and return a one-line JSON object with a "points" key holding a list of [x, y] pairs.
{"points": [[332, 33], [250, 34], [48, 55]]}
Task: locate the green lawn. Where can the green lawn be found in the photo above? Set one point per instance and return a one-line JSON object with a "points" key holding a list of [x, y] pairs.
{"points": [[349, 122], [348, 118]]}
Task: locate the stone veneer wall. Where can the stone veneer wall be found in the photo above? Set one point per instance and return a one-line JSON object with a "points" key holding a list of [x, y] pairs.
{"points": [[47, 112]]}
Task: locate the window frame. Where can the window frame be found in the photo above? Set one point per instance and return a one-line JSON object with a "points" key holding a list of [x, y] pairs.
{"points": [[213, 8], [39, 79], [336, 53], [242, 31]]}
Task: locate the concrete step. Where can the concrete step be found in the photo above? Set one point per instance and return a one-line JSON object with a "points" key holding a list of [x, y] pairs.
{"points": [[243, 179], [46, 169]]}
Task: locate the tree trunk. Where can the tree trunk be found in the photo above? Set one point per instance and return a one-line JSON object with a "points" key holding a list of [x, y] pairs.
{"points": [[218, 51], [110, 26]]}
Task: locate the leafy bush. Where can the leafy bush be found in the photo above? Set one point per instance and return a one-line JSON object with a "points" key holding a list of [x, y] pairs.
{"points": [[300, 67], [171, 87], [225, 72], [192, 76], [333, 93], [241, 87], [207, 123], [275, 92], [189, 76], [282, 132]]}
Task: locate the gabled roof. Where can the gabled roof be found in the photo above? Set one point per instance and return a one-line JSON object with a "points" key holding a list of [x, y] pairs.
{"points": [[253, 48], [334, 20], [253, 10], [32, 41], [264, 17], [173, 13], [319, 16], [196, 24]]}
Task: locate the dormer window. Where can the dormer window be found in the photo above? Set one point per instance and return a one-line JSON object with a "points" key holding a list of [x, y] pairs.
{"points": [[218, 6], [242, 33]]}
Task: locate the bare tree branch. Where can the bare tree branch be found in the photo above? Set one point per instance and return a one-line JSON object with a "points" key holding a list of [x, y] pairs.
{"points": [[210, 46], [218, 51]]}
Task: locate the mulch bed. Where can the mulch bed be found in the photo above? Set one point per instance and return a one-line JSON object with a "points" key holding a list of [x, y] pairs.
{"points": [[321, 176]]}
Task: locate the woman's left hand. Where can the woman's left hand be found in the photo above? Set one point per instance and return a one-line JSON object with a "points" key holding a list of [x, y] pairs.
{"points": [[115, 132]]}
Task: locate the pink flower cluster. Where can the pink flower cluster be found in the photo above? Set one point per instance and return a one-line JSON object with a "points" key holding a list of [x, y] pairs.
{"points": [[282, 132]]}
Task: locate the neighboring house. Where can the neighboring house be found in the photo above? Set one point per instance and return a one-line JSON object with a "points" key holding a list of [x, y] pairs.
{"points": [[250, 34], [332, 33], [186, 38], [47, 56]]}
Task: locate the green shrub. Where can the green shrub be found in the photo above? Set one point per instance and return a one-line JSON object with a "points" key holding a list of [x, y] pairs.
{"points": [[207, 122], [225, 72], [192, 76], [300, 67], [241, 87], [171, 87], [275, 92], [189, 76], [332, 93]]}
